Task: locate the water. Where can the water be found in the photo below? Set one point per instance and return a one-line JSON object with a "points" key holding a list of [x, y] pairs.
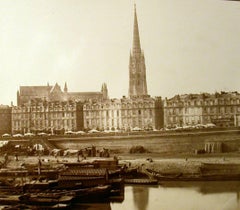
{"points": [[223, 195], [182, 196]]}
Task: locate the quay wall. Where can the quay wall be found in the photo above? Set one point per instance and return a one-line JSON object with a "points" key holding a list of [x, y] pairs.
{"points": [[186, 143]]}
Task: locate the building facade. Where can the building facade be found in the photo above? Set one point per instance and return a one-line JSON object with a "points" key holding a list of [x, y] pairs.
{"points": [[221, 109], [50, 117], [123, 114], [5, 119]]}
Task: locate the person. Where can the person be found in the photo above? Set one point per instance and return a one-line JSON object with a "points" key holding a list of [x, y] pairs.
{"points": [[78, 155], [93, 151], [5, 157], [39, 165], [16, 157]]}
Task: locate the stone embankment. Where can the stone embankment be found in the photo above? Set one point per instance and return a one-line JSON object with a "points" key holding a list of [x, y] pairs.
{"points": [[162, 143]]}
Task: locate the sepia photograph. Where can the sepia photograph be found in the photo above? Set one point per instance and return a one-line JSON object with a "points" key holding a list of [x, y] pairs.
{"points": [[118, 105]]}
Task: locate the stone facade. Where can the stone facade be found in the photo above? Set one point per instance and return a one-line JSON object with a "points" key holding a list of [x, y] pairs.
{"points": [[51, 117], [5, 119], [221, 109], [123, 114]]}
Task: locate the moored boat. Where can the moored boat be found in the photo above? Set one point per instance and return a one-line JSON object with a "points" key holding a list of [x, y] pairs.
{"points": [[141, 181], [9, 199], [92, 193], [45, 199], [39, 185], [59, 206], [163, 177]]}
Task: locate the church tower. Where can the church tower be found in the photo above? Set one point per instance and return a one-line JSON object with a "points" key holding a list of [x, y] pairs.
{"points": [[104, 91], [137, 68]]}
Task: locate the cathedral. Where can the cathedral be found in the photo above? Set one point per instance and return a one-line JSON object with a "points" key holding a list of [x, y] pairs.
{"points": [[51, 109], [55, 93]]}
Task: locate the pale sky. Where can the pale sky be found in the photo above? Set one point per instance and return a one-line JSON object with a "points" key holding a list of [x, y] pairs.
{"points": [[190, 46]]}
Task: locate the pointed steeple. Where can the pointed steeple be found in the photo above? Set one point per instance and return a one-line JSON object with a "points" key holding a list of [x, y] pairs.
{"points": [[65, 88], [136, 48], [137, 68]]}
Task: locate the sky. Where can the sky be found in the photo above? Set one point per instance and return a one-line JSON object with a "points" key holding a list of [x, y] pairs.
{"points": [[190, 46]]}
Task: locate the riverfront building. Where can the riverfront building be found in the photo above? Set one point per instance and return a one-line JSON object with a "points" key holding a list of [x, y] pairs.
{"points": [[124, 114], [221, 109], [51, 109], [5, 119], [50, 117]]}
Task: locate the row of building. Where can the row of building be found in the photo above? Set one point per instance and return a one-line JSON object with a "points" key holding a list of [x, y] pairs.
{"points": [[39, 115], [60, 116], [53, 110], [221, 109]]}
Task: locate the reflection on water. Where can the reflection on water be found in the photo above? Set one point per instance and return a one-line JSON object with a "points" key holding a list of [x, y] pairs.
{"points": [[178, 196], [140, 197], [182, 195]]}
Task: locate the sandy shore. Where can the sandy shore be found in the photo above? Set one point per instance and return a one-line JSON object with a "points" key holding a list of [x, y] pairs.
{"points": [[185, 165]]}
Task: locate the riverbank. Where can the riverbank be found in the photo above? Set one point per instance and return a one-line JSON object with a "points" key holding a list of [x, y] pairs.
{"points": [[185, 165], [224, 167]]}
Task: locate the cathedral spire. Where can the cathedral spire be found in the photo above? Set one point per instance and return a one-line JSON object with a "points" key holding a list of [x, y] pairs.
{"points": [[136, 40], [137, 68]]}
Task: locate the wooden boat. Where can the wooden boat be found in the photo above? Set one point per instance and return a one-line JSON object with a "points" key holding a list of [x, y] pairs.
{"points": [[45, 199], [92, 193], [115, 172], [164, 177], [9, 199], [16, 207], [117, 186], [73, 182], [141, 181], [56, 206], [49, 173], [115, 192], [59, 206], [41, 185]]}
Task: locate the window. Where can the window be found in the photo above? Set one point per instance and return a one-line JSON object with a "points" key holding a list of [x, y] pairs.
{"points": [[150, 112]]}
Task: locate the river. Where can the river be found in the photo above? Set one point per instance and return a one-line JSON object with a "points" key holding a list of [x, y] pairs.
{"points": [[182, 195]]}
